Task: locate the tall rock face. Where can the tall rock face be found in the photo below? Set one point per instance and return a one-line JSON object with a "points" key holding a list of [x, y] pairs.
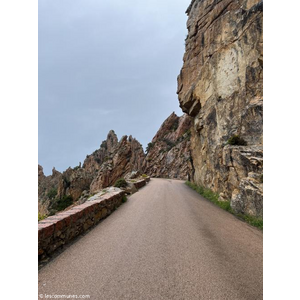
{"points": [[169, 152], [221, 87]]}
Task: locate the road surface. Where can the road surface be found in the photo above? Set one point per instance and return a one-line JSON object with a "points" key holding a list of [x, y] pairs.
{"points": [[165, 242]]}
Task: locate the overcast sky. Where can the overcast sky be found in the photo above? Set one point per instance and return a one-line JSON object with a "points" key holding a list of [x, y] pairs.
{"points": [[105, 64]]}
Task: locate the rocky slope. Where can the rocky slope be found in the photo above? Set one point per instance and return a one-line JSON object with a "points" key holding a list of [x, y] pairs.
{"points": [[169, 152], [47, 183], [114, 159], [221, 87]]}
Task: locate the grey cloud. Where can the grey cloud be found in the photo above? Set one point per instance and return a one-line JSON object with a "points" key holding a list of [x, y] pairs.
{"points": [[105, 65]]}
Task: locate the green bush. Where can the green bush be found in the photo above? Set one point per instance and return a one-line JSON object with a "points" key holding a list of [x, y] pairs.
{"points": [[149, 147], [61, 204], [98, 160], [175, 125], [104, 145], [170, 144], [67, 181], [120, 183], [124, 199], [235, 140], [52, 193], [52, 212], [144, 175]]}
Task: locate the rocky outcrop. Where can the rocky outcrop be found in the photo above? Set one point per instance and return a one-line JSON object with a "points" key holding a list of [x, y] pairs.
{"points": [[124, 157], [74, 182], [221, 87], [169, 152], [46, 184], [100, 169], [93, 162]]}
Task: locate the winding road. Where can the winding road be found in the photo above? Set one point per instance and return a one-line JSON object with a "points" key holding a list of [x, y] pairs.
{"points": [[165, 242]]}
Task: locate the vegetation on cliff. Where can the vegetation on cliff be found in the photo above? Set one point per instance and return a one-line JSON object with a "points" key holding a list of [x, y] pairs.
{"points": [[225, 204]]}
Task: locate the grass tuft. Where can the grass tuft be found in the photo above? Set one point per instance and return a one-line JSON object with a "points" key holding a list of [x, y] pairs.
{"points": [[214, 197], [41, 217]]}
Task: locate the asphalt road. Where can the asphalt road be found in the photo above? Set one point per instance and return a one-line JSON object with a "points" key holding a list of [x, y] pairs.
{"points": [[165, 242]]}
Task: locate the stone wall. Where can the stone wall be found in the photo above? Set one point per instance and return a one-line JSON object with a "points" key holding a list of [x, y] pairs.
{"points": [[140, 183], [56, 231]]}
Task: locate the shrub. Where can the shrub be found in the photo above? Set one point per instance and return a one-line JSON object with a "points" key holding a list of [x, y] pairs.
{"points": [[67, 181], [124, 199], [149, 147], [120, 183], [144, 175], [52, 193], [235, 140], [98, 160], [76, 168], [170, 144], [63, 203], [52, 212], [175, 125], [104, 145]]}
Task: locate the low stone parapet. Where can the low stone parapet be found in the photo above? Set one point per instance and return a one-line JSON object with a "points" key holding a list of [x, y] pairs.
{"points": [[140, 183], [60, 229]]}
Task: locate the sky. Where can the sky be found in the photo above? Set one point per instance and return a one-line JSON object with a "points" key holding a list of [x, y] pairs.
{"points": [[105, 65]]}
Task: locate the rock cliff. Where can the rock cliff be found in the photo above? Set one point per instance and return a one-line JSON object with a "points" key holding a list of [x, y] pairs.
{"points": [[221, 87], [169, 155]]}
